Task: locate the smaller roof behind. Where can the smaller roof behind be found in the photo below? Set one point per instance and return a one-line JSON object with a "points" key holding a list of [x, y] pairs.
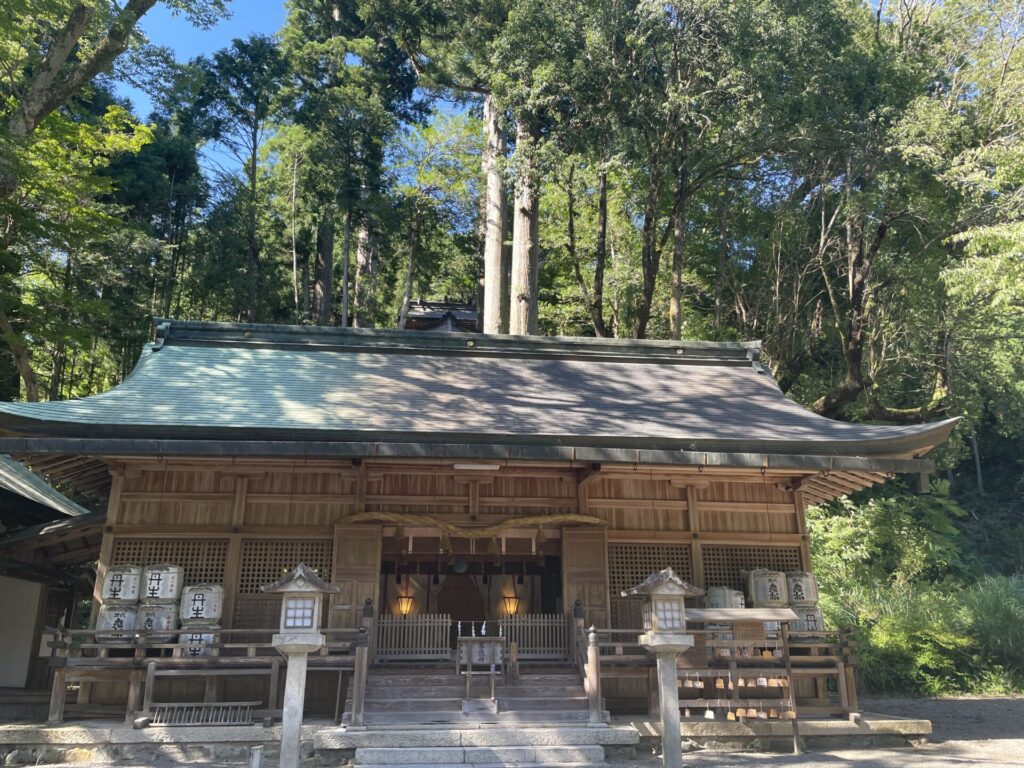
{"points": [[19, 479]]}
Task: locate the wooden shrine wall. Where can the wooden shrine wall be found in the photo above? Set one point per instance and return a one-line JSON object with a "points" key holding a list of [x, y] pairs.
{"points": [[240, 523]]}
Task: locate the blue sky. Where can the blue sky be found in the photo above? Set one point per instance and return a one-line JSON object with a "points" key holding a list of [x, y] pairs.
{"points": [[164, 28]]}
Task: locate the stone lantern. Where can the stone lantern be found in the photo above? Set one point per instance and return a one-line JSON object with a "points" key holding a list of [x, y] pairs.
{"points": [[302, 594], [665, 636]]}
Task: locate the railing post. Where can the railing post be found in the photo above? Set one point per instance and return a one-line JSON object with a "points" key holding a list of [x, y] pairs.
{"points": [[577, 618], [370, 623], [359, 678], [594, 678], [58, 662]]}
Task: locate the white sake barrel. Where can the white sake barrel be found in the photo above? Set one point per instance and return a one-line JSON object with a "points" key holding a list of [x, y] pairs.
{"points": [[723, 597], [161, 583], [197, 641], [116, 623], [159, 618], [802, 587], [121, 585], [202, 604], [767, 589], [808, 619]]}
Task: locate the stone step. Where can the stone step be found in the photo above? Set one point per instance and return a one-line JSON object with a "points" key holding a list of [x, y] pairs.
{"points": [[428, 705], [506, 765], [457, 719], [547, 691], [490, 736], [491, 755], [542, 705], [386, 681], [415, 691], [378, 692]]}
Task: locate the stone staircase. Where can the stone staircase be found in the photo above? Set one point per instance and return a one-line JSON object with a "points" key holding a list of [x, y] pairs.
{"points": [[398, 696], [419, 716]]}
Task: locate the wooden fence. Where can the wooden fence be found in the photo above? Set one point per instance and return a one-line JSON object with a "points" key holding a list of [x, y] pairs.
{"points": [[423, 637], [539, 635]]}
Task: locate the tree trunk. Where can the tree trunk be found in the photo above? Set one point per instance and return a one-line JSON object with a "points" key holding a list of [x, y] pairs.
{"points": [[601, 253], [295, 253], [251, 246], [410, 270], [675, 309], [494, 218], [723, 251], [650, 256], [22, 356], [346, 255], [525, 251], [506, 264], [324, 287], [860, 260], [593, 306], [363, 310]]}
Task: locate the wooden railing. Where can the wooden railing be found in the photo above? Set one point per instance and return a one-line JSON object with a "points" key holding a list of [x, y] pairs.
{"points": [[138, 658], [538, 635], [814, 658], [423, 637]]}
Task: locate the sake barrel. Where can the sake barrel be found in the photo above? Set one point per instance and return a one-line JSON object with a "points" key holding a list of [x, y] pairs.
{"points": [[196, 641], [115, 623], [767, 588], [724, 597], [121, 585], [159, 618], [803, 589], [808, 619], [161, 583], [202, 604]]}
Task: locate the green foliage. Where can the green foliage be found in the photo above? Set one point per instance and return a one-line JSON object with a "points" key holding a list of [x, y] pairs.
{"points": [[897, 569]]}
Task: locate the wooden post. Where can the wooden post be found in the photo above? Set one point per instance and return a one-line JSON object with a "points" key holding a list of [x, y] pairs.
{"points": [[594, 678], [58, 694], [370, 625], [359, 679], [792, 688], [134, 695], [696, 555], [147, 700]]}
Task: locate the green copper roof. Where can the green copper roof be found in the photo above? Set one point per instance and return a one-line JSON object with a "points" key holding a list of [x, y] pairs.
{"points": [[213, 381]]}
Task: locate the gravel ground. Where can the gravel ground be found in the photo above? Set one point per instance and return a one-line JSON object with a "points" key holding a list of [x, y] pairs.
{"points": [[986, 732]]}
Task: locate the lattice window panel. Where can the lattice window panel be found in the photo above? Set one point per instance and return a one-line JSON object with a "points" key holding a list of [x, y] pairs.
{"points": [[724, 562], [203, 560], [264, 561], [629, 564], [257, 612]]}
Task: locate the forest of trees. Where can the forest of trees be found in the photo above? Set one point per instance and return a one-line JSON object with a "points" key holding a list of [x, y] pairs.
{"points": [[842, 179]]}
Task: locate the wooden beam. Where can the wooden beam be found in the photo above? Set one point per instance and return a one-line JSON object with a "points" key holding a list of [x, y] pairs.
{"points": [[588, 475]]}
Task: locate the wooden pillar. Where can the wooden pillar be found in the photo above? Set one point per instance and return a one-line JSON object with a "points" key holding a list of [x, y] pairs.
{"points": [[233, 560], [696, 555], [800, 506], [102, 564]]}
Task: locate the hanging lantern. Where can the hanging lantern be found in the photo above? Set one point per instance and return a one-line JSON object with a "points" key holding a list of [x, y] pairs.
{"points": [[511, 604], [405, 604]]}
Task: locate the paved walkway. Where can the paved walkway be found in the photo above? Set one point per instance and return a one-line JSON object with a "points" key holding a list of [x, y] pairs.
{"points": [[984, 732]]}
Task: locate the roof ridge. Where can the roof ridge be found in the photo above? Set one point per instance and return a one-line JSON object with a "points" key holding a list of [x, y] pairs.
{"points": [[205, 332]]}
